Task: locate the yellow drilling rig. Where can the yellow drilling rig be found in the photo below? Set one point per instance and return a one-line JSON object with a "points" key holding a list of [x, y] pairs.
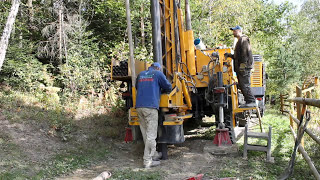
{"points": [[203, 79]]}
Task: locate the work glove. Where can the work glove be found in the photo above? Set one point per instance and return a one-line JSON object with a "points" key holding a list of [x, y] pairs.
{"points": [[226, 55], [242, 67]]}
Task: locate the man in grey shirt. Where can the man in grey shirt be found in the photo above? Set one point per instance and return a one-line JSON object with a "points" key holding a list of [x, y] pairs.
{"points": [[243, 64]]}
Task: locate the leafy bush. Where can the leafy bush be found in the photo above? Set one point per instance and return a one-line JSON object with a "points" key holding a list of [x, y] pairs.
{"points": [[85, 68], [22, 70]]}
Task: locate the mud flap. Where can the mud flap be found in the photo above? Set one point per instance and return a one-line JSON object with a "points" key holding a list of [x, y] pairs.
{"points": [[171, 134]]}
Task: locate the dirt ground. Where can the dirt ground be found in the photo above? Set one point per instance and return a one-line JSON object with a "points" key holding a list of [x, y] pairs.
{"points": [[194, 156]]}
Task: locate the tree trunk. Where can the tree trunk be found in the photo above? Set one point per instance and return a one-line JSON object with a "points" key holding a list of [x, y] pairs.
{"points": [[30, 9], [143, 39], [64, 40], [60, 33], [7, 30], [20, 35]]}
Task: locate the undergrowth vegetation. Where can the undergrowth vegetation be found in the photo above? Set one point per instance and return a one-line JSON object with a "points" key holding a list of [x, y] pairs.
{"points": [[78, 129]]}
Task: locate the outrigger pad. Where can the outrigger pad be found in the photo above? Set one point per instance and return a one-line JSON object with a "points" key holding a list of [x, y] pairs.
{"points": [[222, 137]]}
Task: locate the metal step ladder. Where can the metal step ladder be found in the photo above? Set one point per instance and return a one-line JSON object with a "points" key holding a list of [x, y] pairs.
{"points": [[253, 147]]}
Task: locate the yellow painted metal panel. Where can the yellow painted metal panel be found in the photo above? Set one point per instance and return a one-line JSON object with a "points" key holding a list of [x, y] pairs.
{"points": [[168, 123], [133, 116], [257, 75], [134, 123], [182, 40], [168, 44], [173, 44], [164, 100], [191, 62], [202, 60], [134, 95], [186, 94], [238, 110]]}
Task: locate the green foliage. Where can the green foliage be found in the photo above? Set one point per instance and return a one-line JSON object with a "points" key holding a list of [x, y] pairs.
{"points": [[86, 67], [4, 11], [23, 71], [67, 162], [107, 21], [211, 20], [120, 52]]}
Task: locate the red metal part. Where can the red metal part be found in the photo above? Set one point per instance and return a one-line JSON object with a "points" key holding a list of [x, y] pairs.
{"points": [[128, 137], [126, 94], [198, 177], [222, 137], [219, 90]]}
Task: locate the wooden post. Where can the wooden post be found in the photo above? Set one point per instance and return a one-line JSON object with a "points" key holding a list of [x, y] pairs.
{"points": [[245, 145], [299, 94], [281, 103], [316, 84], [269, 145], [307, 158], [291, 121], [298, 105], [259, 117]]}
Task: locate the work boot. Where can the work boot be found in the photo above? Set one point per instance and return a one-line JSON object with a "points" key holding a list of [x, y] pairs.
{"points": [[157, 156], [152, 164]]}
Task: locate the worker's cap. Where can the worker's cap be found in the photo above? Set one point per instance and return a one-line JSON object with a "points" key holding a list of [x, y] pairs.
{"points": [[236, 28], [156, 64]]}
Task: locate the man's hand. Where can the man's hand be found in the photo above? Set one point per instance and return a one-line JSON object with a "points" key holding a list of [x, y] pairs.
{"points": [[242, 66], [164, 91], [226, 55]]}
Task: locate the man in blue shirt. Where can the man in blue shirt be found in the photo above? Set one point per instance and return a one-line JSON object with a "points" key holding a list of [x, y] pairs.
{"points": [[149, 84]]}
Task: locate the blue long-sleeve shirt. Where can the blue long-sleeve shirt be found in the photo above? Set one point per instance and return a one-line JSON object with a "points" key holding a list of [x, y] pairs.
{"points": [[149, 84]]}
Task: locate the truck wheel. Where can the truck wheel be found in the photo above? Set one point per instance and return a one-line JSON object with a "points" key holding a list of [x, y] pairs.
{"points": [[229, 124]]}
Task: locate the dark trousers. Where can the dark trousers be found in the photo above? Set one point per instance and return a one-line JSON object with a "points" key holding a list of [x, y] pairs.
{"points": [[244, 85]]}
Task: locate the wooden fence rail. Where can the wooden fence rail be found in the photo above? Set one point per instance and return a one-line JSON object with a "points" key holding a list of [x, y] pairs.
{"points": [[293, 107]]}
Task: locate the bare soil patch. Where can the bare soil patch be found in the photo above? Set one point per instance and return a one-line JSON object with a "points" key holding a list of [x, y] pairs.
{"points": [[188, 159]]}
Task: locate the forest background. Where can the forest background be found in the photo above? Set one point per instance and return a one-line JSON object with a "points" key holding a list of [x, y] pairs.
{"points": [[70, 43]]}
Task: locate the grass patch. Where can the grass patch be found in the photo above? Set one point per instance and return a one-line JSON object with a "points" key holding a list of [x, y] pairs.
{"points": [[256, 166], [19, 107], [72, 160], [282, 147], [13, 164]]}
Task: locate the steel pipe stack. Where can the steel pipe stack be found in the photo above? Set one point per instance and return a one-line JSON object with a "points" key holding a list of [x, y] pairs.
{"points": [[121, 69]]}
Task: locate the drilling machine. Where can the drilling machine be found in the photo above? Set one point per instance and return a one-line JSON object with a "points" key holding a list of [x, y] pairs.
{"points": [[203, 80]]}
